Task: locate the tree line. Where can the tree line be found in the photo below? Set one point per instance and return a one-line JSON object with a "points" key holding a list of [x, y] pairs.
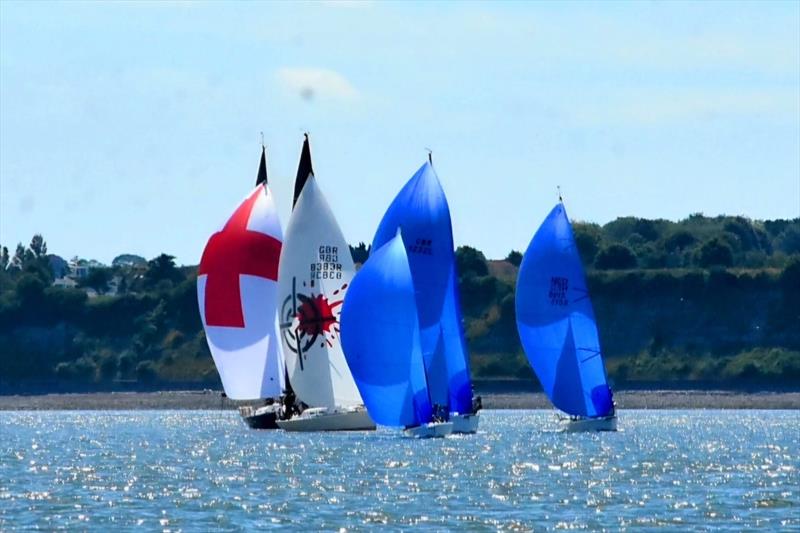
{"points": [[705, 298]]}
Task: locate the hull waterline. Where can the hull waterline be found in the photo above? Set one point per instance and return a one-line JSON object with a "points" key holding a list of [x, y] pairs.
{"points": [[465, 423], [260, 418], [430, 431], [356, 420], [580, 425]]}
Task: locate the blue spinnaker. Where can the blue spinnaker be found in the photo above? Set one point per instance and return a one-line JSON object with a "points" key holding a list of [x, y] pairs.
{"points": [[380, 337], [421, 210], [556, 321], [455, 345]]}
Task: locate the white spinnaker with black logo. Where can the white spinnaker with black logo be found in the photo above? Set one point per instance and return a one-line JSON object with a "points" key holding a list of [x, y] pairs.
{"points": [[315, 271]]}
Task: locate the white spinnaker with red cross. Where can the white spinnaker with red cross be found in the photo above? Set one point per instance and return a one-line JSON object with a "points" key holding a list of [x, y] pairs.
{"points": [[237, 295], [316, 269]]}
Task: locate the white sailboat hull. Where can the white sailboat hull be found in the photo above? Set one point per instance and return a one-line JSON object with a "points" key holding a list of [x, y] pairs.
{"points": [[606, 423], [430, 431], [324, 420], [465, 423]]}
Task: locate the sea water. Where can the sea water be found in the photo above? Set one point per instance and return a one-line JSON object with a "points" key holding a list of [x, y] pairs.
{"points": [[205, 471]]}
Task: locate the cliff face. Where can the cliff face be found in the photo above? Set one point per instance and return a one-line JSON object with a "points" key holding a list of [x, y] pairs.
{"points": [[694, 312], [677, 319]]}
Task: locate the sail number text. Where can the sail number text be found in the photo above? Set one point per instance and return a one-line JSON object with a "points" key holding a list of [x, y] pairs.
{"points": [[327, 265]]}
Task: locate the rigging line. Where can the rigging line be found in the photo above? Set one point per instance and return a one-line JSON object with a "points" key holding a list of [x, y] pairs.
{"points": [[299, 346], [595, 354]]}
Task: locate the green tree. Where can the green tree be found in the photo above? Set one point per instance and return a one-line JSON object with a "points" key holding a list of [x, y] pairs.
{"points": [[108, 367], [160, 269], [127, 260], [146, 372], [588, 238], [97, 279], [714, 252], [790, 279], [38, 247], [4, 258], [360, 253], [514, 257], [679, 240], [615, 257], [471, 262], [19, 257], [30, 288], [82, 369], [789, 240]]}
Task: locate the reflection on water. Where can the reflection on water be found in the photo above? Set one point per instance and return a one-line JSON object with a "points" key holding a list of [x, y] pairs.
{"points": [[203, 470]]}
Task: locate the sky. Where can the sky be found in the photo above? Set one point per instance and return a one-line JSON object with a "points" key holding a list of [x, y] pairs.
{"points": [[135, 127]]}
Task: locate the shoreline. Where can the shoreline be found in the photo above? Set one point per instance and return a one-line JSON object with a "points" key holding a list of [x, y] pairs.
{"points": [[212, 400]]}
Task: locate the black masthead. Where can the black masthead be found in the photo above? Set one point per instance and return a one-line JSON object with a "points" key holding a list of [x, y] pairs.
{"points": [[304, 169], [262, 167]]}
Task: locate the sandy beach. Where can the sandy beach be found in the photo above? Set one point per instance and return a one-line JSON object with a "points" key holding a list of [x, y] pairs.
{"points": [[208, 399]]}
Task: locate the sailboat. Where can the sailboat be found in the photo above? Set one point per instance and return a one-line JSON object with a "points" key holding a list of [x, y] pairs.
{"points": [[381, 339], [237, 296], [421, 210], [557, 327], [315, 271]]}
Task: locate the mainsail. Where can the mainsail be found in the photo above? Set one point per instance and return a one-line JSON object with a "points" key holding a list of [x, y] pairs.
{"points": [[315, 272], [237, 296], [380, 335], [556, 321], [421, 210]]}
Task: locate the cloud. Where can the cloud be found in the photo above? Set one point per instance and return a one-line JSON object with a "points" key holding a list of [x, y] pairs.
{"points": [[310, 83]]}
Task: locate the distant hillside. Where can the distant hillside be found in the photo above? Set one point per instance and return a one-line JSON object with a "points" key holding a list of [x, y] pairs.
{"points": [[707, 299]]}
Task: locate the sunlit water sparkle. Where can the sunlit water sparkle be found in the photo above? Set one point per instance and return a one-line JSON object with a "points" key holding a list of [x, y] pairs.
{"points": [[203, 470]]}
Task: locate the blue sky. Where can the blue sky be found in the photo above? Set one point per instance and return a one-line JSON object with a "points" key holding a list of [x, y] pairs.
{"points": [[134, 127]]}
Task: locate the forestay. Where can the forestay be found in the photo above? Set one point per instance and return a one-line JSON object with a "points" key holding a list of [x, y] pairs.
{"points": [[556, 321], [315, 272], [420, 209], [380, 336]]}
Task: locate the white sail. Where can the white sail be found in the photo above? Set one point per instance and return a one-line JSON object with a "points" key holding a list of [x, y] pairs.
{"points": [[237, 294], [315, 271]]}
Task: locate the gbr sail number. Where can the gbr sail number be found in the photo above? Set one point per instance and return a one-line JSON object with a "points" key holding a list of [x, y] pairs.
{"points": [[327, 265]]}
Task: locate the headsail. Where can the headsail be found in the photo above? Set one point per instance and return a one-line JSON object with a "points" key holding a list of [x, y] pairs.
{"points": [[315, 272], [262, 167], [556, 321], [421, 210], [304, 170], [237, 297], [380, 335]]}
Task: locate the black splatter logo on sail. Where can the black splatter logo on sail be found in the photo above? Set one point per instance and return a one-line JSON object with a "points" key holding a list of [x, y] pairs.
{"points": [[305, 318]]}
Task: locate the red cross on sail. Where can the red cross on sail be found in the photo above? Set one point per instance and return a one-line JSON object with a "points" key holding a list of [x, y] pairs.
{"points": [[230, 253], [237, 297]]}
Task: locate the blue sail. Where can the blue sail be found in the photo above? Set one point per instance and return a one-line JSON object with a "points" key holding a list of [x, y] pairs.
{"points": [[421, 210], [455, 345], [556, 321], [380, 337]]}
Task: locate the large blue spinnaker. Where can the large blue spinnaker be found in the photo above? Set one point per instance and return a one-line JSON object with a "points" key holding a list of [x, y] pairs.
{"points": [[421, 210], [380, 337], [556, 321]]}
